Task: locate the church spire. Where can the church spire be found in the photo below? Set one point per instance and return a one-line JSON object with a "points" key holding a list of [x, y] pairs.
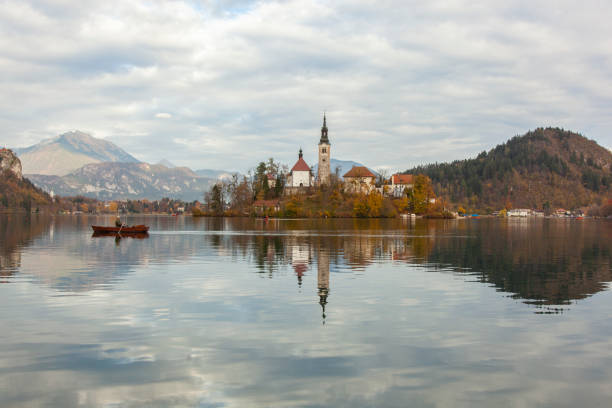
{"points": [[300, 153], [324, 138]]}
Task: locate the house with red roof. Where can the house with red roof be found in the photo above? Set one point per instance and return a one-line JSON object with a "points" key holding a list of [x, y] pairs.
{"points": [[264, 207], [359, 180], [401, 182], [300, 177]]}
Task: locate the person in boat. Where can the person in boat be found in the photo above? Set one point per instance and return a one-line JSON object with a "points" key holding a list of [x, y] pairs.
{"points": [[118, 222]]}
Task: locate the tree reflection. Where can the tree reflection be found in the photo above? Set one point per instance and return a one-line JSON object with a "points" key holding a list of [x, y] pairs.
{"points": [[542, 262], [17, 232]]}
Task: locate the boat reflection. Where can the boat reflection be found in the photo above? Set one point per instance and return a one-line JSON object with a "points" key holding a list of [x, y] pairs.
{"points": [[135, 235]]}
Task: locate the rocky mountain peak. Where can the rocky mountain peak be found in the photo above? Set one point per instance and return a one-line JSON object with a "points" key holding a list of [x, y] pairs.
{"points": [[69, 151], [10, 162]]}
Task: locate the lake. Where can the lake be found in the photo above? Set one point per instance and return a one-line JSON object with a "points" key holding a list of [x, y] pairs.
{"points": [[213, 312]]}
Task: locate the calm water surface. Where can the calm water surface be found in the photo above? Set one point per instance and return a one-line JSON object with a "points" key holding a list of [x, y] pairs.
{"points": [[306, 313]]}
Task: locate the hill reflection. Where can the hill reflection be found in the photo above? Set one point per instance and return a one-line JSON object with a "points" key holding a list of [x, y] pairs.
{"points": [[543, 262], [552, 262], [17, 232]]}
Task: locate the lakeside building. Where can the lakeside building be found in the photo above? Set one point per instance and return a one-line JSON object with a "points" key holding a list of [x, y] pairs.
{"points": [[262, 207], [518, 212], [399, 184], [359, 180]]}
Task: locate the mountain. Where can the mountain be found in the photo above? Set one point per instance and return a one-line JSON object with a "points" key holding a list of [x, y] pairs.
{"points": [[69, 151], [76, 163], [111, 181], [167, 163], [17, 191], [215, 174], [545, 168], [343, 165]]}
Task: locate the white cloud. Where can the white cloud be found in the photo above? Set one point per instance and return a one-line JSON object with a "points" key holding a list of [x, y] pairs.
{"points": [[253, 78], [163, 115]]}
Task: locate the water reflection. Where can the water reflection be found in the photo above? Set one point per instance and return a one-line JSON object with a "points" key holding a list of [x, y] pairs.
{"points": [[323, 280], [234, 313], [544, 262], [16, 233]]}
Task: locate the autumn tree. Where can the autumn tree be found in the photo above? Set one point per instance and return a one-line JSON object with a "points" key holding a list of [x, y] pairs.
{"points": [[421, 194], [112, 207], [368, 205], [239, 193]]}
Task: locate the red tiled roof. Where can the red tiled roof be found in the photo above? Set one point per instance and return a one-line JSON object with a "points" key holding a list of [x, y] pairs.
{"points": [[266, 203], [300, 165], [359, 171], [401, 179]]}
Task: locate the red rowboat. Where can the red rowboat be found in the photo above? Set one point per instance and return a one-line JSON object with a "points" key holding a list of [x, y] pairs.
{"points": [[134, 229]]}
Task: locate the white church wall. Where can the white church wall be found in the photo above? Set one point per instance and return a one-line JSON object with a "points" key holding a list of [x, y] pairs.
{"points": [[300, 177]]}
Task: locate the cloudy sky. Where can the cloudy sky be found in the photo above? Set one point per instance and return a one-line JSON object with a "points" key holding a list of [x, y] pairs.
{"points": [[225, 84]]}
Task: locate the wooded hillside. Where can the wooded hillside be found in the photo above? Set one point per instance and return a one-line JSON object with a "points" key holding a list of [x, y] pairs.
{"points": [[545, 168]]}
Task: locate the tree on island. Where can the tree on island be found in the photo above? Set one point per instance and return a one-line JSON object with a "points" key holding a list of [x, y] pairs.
{"points": [[260, 180], [214, 199], [419, 197]]}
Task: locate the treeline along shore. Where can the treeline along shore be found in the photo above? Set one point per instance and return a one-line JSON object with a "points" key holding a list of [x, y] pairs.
{"points": [[546, 171]]}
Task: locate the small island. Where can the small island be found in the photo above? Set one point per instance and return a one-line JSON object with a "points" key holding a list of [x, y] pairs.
{"points": [[274, 191]]}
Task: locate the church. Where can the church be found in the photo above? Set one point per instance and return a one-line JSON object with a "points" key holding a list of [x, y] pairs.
{"points": [[300, 177]]}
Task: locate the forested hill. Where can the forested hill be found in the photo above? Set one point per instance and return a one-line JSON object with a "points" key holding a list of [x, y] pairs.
{"points": [[545, 167]]}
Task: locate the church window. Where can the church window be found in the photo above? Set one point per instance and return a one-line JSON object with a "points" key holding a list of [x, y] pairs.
{"points": [[324, 150]]}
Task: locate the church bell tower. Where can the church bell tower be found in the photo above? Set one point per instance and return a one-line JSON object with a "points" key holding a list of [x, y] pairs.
{"points": [[324, 171]]}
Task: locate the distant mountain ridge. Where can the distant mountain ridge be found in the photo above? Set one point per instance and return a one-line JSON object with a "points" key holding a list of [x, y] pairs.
{"points": [[69, 151], [76, 163], [112, 181], [167, 163], [548, 167], [215, 174]]}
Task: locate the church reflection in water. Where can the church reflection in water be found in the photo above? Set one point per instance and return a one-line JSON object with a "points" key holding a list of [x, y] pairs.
{"points": [[546, 262], [300, 261], [323, 279]]}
